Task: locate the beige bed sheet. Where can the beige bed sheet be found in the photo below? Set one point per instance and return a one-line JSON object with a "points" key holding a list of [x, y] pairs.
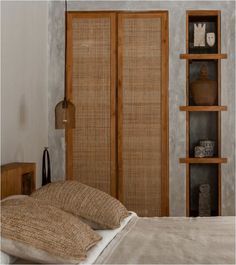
{"points": [[167, 240], [172, 240]]}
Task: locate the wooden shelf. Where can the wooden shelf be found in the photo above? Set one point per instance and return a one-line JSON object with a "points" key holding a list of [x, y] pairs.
{"points": [[203, 108], [206, 56], [204, 160]]}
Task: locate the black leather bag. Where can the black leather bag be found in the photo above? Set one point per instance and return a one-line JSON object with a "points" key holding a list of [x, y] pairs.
{"points": [[46, 168]]}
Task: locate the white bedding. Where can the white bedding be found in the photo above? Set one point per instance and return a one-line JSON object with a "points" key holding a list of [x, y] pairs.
{"points": [[6, 259], [107, 236]]}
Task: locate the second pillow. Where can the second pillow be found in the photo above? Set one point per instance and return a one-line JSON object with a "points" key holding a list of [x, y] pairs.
{"points": [[98, 208]]}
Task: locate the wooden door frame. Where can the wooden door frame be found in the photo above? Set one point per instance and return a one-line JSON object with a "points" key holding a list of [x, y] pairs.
{"points": [[116, 102], [164, 105]]}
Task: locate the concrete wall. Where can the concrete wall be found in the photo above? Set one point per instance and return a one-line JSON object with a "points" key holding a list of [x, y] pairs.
{"points": [[24, 88], [177, 27]]}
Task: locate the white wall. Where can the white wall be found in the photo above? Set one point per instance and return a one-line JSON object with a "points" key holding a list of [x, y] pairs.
{"points": [[24, 96]]}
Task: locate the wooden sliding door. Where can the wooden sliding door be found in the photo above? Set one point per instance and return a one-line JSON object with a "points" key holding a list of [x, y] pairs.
{"points": [[118, 80], [142, 112], [91, 155]]}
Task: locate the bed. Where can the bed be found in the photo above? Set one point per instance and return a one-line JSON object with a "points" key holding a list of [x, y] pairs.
{"points": [[141, 240], [165, 240]]}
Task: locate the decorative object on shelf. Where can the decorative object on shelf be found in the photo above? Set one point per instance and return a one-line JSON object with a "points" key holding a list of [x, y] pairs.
{"points": [[199, 35], [65, 109], [209, 146], [204, 200], [199, 151], [211, 38], [204, 90]]}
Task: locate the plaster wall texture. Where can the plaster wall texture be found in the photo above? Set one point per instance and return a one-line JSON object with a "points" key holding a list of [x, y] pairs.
{"points": [[24, 80], [177, 88]]}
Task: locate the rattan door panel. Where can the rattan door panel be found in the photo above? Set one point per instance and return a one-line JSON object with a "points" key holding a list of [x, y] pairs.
{"points": [[91, 146], [120, 59], [140, 113]]}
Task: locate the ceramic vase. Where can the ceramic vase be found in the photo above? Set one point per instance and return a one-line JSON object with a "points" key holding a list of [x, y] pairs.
{"points": [[204, 90]]}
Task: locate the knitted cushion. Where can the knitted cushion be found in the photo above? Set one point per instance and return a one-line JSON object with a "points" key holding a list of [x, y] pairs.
{"points": [[43, 233], [89, 203]]}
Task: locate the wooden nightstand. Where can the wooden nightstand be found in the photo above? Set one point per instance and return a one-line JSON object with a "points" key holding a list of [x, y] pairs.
{"points": [[17, 178]]}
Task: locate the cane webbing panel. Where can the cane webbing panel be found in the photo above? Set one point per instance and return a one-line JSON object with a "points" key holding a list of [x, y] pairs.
{"points": [[91, 95], [141, 133]]}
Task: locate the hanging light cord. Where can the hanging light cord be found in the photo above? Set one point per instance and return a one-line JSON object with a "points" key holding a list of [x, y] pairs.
{"points": [[65, 109], [65, 103]]}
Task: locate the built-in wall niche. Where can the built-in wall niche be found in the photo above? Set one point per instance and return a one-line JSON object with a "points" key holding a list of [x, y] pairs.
{"points": [[203, 110], [203, 174], [203, 126], [195, 67], [206, 27]]}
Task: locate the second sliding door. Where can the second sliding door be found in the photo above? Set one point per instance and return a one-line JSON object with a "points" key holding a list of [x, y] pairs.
{"points": [[118, 72], [142, 110]]}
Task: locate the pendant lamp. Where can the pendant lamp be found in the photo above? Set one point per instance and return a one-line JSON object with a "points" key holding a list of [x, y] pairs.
{"points": [[65, 109]]}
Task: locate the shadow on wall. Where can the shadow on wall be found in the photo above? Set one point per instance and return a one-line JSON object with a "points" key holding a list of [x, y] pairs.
{"points": [[23, 120], [23, 116]]}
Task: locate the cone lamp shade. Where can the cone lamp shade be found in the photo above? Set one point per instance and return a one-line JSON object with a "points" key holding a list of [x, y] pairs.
{"points": [[65, 109]]}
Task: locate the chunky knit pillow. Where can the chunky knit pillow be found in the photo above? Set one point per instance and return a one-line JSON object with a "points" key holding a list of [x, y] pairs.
{"points": [[97, 207], [35, 231]]}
